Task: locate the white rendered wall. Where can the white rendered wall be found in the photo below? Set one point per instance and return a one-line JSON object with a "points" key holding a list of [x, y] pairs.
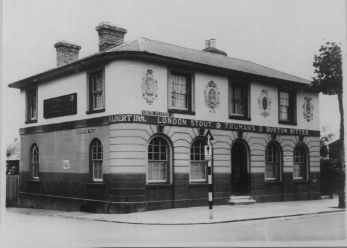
{"points": [[123, 81], [75, 83]]}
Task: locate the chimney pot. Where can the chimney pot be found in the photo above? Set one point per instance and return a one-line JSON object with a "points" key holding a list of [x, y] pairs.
{"points": [[207, 43], [110, 35], [213, 43], [67, 52]]}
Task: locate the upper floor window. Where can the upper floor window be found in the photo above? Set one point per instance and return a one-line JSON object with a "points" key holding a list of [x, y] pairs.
{"points": [[273, 162], [198, 164], [96, 159], [238, 100], [34, 162], [180, 92], [158, 160], [286, 108], [300, 163], [31, 99], [96, 92]]}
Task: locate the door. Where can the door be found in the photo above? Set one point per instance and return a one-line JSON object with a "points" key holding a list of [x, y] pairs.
{"points": [[239, 164]]}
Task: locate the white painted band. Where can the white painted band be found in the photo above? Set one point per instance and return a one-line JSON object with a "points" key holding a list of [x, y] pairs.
{"points": [[210, 196]]}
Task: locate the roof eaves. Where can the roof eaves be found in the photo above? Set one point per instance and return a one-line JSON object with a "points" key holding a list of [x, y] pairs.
{"points": [[57, 70]]}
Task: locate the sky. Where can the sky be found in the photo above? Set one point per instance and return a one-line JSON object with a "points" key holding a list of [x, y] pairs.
{"points": [[281, 34]]}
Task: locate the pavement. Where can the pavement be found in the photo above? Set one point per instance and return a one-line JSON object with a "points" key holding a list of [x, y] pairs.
{"points": [[200, 215]]}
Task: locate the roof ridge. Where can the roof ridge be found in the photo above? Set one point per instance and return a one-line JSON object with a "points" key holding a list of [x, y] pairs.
{"points": [[140, 42], [185, 47]]}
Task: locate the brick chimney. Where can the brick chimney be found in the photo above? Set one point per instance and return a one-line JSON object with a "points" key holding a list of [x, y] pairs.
{"points": [[66, 52], [210, 46], [109, 35]]}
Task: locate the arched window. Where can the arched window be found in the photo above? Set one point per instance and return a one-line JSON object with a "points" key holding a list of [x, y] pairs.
{"points": [[273, 162], [34, 161], [96, 157], [158, 160], [300, 162], [198, 163]]}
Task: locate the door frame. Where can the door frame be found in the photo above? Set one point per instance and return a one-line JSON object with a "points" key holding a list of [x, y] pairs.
{"points": [[248, 167]]}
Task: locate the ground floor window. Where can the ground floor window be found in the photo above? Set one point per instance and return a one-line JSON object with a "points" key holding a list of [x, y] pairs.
{"points": [[96, 159], [300, 163], [273, 162], [158, 160], [198, 163], [34, 160]]}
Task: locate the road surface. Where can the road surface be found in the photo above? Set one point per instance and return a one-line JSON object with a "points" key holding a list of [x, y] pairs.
{"points": [[26, 230]]}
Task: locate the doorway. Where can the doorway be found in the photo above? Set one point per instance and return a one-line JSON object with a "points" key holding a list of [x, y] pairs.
{"points": [[239, 165]]}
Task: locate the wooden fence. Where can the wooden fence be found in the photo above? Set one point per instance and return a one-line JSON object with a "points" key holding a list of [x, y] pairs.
{"points": [[12, 186]]}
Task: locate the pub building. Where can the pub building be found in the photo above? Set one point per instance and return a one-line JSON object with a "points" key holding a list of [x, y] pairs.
{"points": [[123, 130]]}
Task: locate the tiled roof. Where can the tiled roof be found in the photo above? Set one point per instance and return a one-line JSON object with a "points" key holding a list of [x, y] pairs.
{"points": [[157, 48], [206, 58]]}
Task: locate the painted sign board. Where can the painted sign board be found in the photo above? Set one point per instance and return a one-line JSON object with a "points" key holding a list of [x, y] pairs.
{"points": [[60, 106], [156, 113], [66, 164], [171, 121], [86, 131], [288, 161], [168, 121]]}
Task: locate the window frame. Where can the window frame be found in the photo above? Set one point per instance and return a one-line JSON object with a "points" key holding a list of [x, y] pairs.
{"points": [[305, 163], [245, 86], [98, 144], [169, 155], [35, 165], [292, 112], [190, 89], [191, 180], [90, 108], [278, 177], [28, 117]]}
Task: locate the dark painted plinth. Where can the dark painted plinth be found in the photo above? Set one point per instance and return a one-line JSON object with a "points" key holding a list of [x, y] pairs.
{"points": [[125, 193], [286, 190]]}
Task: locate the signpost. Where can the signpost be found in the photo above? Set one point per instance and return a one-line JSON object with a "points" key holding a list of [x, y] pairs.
{"points": [[208, 157]]}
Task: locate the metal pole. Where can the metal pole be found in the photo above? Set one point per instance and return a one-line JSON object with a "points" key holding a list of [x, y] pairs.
{"points": [[209, 177], [210, 188]]}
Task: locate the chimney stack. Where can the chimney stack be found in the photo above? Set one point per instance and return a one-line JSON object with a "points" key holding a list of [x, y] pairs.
{"points": [[66, 52], [109, 35], [210, 46]]}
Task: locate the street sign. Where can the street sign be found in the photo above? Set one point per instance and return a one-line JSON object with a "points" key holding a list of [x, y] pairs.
{"points": [[209, 136], [208, 152], [288, 161]]}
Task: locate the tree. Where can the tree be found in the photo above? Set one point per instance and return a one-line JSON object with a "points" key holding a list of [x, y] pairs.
{"points": [[13, 149], [328, 80], [326, 138]]}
